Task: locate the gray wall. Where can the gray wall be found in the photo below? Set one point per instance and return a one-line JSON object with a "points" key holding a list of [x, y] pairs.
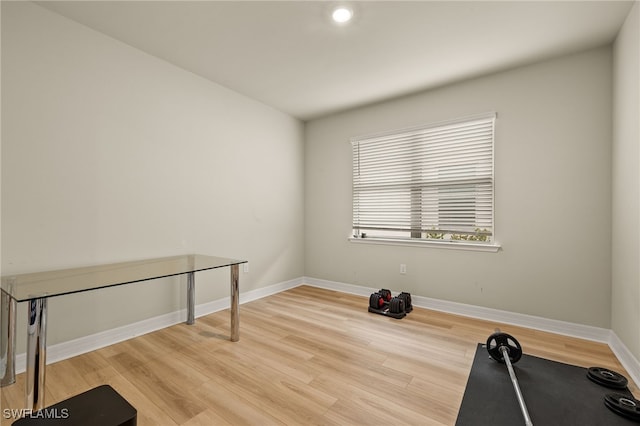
{"points": [[110, 154], [626, 184], [552, 182]]}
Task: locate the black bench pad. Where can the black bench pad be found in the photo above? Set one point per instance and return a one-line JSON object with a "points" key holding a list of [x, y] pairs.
{"points": [[100, 406]]}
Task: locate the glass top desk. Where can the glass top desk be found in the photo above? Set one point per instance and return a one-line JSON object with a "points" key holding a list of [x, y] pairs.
{"points": [[36, 288]]}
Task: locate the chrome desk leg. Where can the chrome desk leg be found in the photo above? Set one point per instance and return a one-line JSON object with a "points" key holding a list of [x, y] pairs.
{"points": [[235, 317], [36, 353], [8, 340], [191, 298]]}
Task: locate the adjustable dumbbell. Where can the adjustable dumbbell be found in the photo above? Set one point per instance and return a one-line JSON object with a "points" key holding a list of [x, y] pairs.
{"points": [[383, 300]]}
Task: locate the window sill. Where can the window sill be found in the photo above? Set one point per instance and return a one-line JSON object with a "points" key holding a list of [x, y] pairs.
{"points": [[452, 245]]}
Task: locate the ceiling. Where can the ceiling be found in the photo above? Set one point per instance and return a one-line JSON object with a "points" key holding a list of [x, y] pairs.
{"points": [[288, 54]]}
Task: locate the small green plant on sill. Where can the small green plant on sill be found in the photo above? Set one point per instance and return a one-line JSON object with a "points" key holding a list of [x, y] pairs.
{"points": [[435, 235], [480, 235]]}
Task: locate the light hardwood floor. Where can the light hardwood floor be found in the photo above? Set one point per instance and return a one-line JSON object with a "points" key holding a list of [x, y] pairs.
{"points": [[305, 356]]}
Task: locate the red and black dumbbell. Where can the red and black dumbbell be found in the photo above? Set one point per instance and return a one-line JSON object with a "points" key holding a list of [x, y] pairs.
{"points": [[396, 306], [382, 300]]}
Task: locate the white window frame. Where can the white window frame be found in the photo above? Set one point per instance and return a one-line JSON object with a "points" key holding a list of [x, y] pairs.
{"points": [[396, 185]]}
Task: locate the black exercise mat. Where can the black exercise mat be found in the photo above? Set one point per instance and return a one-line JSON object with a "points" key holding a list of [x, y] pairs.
{"points": [[556, 394]]}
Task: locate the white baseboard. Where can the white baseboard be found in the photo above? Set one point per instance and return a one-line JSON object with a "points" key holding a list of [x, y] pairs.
{"points": [[85, 344], [597, 334], [565, 328], [559, 327], [626, 358], [341, 287]]}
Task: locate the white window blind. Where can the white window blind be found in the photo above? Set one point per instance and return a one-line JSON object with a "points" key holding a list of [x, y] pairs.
{"points": [[432, 182]]}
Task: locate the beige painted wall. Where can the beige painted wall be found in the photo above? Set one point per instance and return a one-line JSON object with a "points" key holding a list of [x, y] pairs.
{"points": [[553, 182], [626, 184], [110, 154]]}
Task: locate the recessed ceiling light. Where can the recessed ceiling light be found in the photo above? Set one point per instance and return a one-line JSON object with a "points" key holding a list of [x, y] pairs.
{"points": [[342, 14]]}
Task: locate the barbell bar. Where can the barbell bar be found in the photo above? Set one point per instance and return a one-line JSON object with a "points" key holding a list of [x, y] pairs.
{"points": [[505, 349]]}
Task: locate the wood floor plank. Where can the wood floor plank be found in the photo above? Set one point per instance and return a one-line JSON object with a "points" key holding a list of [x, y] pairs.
{"points": [[280, 396], [177, 401], [207, 418], [306, 356], [233, 408], [149, 413]]}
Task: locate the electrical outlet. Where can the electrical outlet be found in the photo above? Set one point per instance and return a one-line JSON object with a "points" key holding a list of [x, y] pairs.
{"points": [[245, 267], [403, 268]]}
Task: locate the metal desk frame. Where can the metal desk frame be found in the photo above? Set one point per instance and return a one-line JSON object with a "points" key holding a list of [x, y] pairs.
{"points": [[37, 288]]}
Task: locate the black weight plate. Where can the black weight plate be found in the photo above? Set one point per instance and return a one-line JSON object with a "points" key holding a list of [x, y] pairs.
{"points": [[606, 377], [623, 405], [498, 340], [406, 297], [374, 301], [396, 306]]}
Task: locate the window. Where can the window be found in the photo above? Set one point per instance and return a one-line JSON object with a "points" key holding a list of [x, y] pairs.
{"points": [[429, 183]]}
